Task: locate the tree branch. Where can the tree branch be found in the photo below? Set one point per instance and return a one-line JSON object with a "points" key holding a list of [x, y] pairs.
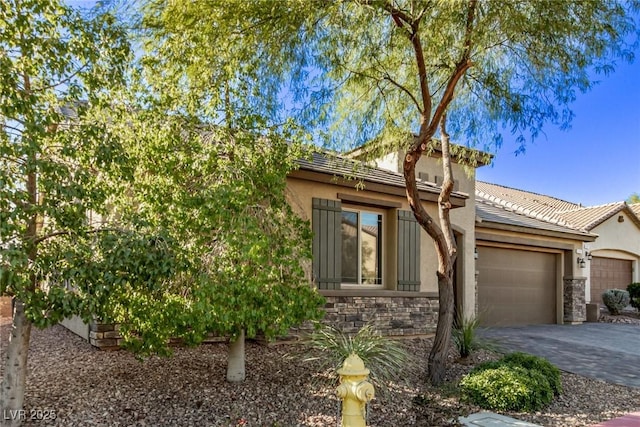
{"points": [[444, 204], [70, 233], [461, 68], [388, 78]]}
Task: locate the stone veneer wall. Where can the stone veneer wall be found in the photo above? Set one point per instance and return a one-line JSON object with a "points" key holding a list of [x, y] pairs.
{"points": [[575, 306], [392, 314], [105, 336]]}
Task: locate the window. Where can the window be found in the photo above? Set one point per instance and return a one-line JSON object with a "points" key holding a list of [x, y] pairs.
{"points": [[348, 246], [361, 247]]}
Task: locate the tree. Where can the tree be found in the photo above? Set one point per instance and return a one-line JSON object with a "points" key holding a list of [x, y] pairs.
{"points": [[633, 198], [113, 206], [54, 168], [395, 73], [221, 204], [245, 248]]}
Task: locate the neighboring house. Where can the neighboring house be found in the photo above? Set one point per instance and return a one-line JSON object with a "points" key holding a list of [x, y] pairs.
{"points": [[605, 240]]}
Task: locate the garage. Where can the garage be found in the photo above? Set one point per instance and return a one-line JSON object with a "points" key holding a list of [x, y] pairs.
{"points": [[516, 286], [609, 273]]}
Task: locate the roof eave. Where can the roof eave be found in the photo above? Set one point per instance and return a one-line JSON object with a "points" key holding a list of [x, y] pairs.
{"points": [[575, 235], [458, 199]]}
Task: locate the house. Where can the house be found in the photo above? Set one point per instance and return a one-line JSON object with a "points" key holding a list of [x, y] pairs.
{"points": [[523, 258], [605, 239], [512, 268], [371, 259]]}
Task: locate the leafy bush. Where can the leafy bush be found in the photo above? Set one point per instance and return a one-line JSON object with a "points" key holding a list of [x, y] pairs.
{"points": [[615, 300], [507, 388], [465, 337], [518, 381], [634, 295], [546, 368], [386, 358]]}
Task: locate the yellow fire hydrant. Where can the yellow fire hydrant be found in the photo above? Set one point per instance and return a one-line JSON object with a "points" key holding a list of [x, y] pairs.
{"points": [[355, 391]]}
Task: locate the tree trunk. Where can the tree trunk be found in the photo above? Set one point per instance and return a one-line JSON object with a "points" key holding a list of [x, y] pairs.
{"points": [[235, 360], [438, 355], [15, 368]]}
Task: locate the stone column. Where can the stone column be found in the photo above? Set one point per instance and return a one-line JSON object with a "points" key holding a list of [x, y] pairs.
{"points": [[575, 307], [105, 336]]}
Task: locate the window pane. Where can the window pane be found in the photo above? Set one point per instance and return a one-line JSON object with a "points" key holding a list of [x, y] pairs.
{"points": [[371, 237], [349, 247]]}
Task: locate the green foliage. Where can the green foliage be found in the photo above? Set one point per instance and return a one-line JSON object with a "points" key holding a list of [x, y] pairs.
{"points": [[507, 388], [58, 158], [633, 198], [518, 381], [615, 300], [121, 199], [357, 83], [387, 359], [634, 294], [465, 336], [528, 361]]}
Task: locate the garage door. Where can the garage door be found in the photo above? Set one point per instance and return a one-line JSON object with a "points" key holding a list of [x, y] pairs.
{"points": [[516, 287], [608, 273]]}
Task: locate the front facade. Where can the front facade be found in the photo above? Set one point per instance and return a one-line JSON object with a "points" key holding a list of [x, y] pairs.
{"points": [[613, 260], [371, 259], [523, 258]]}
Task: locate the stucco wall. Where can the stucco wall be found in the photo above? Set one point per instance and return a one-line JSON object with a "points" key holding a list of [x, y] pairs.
{"points": [[463, 220], [301, 192]]}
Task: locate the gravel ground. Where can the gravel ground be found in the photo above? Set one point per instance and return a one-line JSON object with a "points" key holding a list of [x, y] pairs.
{"points": [[87, 387]]}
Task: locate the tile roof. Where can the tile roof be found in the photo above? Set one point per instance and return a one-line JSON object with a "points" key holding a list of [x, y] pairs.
{"points": [[353, 169], [497, 213], [551, 209], [589, 217], [635, 207], [534, 205]]}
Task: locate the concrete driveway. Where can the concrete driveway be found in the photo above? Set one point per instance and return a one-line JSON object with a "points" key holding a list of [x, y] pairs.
{"points": [[606, 351]]}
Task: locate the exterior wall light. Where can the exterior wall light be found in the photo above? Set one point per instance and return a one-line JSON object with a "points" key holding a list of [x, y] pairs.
{"points": [[581, 263], [475, 253], [588, 255]]}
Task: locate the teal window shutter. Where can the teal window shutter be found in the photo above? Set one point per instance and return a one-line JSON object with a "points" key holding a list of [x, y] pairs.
{"points": [[327, 243], [408, 252]]}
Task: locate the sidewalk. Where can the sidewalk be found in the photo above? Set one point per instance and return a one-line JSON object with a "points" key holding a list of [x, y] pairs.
{"points": [[490, 419], [629, 420]]}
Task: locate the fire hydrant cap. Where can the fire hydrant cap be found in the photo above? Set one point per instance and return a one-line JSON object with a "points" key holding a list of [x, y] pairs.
{"points": [[353, 365]]}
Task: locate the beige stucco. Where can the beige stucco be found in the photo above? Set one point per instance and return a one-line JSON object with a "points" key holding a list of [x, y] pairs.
{"points": [[616, 239], [301, 192], [463, 221], [462, 218]]}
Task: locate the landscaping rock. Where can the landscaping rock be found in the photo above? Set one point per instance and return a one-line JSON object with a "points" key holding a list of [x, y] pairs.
{"points": [[84, 386]]}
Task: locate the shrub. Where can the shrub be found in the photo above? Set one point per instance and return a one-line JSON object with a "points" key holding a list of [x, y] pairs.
{"points": [[634, 295], [464, 335], [528, 361], [518, 381], [615, 300], [386, 358], [507, 388]]}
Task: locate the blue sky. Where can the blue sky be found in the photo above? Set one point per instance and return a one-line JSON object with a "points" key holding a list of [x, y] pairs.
{"points": [[595, 162]]}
